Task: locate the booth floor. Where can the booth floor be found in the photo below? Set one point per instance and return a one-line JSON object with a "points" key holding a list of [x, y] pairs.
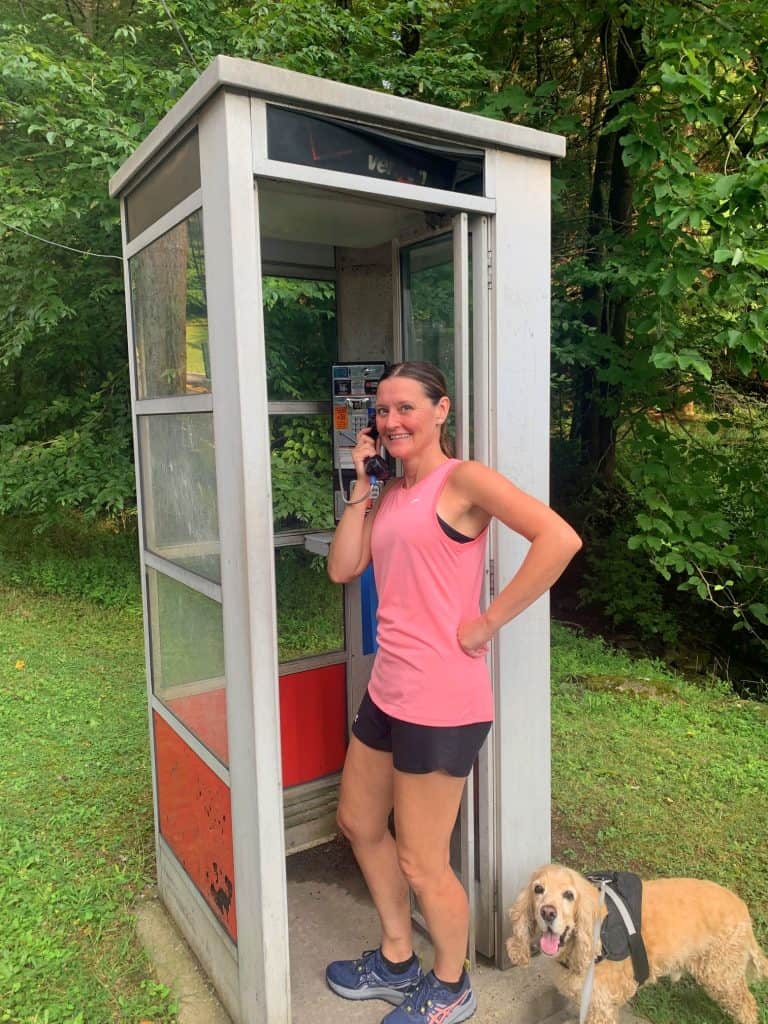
{"points": [[331, 916]]}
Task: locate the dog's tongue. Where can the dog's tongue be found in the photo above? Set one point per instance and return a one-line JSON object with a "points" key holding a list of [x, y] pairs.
{"points": [[549, 943]]}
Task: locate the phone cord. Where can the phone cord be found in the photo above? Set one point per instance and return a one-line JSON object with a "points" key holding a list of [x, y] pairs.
{"points": [[373, 490]]}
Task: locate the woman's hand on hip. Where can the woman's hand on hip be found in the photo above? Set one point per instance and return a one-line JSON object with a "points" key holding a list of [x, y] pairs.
{"points": [[474, 636]]}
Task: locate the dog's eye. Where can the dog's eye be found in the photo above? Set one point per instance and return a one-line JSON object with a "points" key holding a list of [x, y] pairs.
{"points": [[568, 895], [538, 889]]}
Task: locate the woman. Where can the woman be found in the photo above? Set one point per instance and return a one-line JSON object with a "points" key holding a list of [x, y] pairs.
{"points": [[429, 705]]}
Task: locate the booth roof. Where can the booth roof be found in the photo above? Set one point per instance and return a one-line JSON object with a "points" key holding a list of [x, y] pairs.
{"points": [[319, 95]]}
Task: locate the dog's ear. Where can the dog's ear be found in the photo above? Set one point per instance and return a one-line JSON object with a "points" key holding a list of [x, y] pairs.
{"points": [[523, 926], [583, 950]]}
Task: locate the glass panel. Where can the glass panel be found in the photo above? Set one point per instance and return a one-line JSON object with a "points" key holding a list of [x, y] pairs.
{"points": [[428, 311], [170, 313], [313, 141], [178, 473], [187, 649], [310, 609], [427, 275], [473, 341], [300, 332], [302, 491], [174, 178]]}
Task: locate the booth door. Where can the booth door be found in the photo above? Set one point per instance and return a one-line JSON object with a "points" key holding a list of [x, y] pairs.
{"points": [[444, 318], [301, 343]]}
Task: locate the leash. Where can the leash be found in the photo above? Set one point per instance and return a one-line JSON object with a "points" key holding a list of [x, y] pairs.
{"points": [[636, 946], [589, 981]]}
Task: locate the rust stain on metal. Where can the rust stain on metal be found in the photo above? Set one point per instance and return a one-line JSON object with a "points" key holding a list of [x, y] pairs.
{"points": [[221, 889]]}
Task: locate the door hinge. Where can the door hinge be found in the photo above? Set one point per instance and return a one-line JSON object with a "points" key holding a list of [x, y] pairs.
{"points": [[490, 268], [491, 579]]}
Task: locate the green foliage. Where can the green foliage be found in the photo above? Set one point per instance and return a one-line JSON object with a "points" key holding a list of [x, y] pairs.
{"points": [[611, 563], [703, 520], [683, 268], [688, 508], [310, 615], [68, 451], [407, 48], [81, 87], [701, 221], [72, 108], [71, 558], [659, 240], [301, 476], [660, 277], [300, 332]]}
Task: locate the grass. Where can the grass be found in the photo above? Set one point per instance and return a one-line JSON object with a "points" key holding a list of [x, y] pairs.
{"points": [[73, 557], [76, 842], [658, 775], [650, 772]]}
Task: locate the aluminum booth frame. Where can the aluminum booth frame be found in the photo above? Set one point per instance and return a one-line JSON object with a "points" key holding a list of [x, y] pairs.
{"points": [[214, 168]]}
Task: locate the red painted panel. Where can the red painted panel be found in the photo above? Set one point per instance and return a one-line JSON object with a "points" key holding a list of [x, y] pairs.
{"points": [[205, 714], [313, 723], [196, 821]]}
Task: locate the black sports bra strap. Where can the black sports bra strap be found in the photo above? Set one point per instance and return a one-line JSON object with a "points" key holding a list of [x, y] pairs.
{"points": [[449, 531]]}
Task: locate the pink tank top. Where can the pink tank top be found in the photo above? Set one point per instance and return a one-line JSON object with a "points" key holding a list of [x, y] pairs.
{"points": [[427, 584]]}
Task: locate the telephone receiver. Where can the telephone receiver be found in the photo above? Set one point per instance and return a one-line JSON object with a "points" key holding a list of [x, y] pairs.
{"points": [[375, 465]]}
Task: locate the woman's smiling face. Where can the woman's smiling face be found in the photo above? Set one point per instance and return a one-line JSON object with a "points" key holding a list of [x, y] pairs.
{"points": [[406, 418]]}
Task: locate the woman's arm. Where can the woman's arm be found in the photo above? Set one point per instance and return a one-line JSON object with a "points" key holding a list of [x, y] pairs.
{"points": [[350, 550], [488, 495]]}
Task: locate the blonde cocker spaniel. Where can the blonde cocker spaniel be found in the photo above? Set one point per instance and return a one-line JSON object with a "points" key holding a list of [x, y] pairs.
{"points": [[688, 926]]}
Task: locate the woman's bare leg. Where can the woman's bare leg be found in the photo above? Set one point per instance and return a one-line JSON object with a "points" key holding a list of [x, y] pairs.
{"points": [[364, 805], [426, 807]]}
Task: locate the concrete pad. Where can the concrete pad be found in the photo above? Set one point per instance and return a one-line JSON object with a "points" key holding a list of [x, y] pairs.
{"points": [[331, 917], [175, 965]]}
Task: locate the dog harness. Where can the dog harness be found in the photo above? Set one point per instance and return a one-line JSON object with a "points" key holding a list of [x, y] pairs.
{"points": [[619, 931]]}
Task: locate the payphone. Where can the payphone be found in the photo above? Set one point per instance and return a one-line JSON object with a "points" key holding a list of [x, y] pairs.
{"points": [[353, 401]]}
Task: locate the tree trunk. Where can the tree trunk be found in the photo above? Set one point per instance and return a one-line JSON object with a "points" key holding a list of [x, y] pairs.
{"points": [[410, 35], [598, 403]]}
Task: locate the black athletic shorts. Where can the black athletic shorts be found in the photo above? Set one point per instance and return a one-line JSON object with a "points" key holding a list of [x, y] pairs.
{"points": [[419, 749]]}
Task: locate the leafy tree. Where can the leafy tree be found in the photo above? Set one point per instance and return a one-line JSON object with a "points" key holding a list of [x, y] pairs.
{"points": [[82, 84], [660, 251], [74, 103], [660, 267]]}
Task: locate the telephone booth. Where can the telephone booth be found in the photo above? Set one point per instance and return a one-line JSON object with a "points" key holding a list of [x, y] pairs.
{"points": [[284, 237]]}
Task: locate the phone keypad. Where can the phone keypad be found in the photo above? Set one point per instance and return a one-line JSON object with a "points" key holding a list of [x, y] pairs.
{"points": [[358, 421]]}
